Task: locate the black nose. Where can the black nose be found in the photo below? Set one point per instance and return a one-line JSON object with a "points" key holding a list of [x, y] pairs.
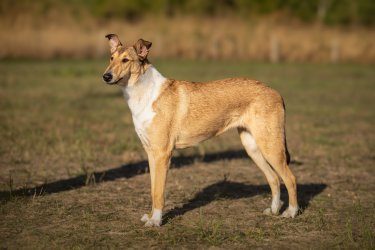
{"points": [[107, 77]]}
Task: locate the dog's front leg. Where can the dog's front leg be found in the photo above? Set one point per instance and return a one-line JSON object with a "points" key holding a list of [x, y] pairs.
{"points": [[159, 163]]}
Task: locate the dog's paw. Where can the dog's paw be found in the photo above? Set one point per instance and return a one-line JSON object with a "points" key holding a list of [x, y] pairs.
{"points": [[291, 212], [270, 211], [274, 209], [267, 211], [150, 222], [145, 218], [153, 223]]}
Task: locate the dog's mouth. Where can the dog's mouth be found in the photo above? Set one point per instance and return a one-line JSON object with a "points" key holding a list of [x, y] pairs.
{"points": [[113, 83]]}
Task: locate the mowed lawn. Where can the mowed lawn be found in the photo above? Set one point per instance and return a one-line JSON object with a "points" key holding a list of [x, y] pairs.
{"points": [[73, 173]]}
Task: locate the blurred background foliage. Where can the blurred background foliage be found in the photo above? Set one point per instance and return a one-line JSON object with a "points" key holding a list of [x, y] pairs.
{"points": [[330, 12], [258, 30]]}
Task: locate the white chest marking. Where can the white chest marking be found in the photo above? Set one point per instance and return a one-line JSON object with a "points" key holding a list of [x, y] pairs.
{"points": [[140, 98]]}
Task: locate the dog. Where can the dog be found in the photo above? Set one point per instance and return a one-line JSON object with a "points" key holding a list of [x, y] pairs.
{"points": [[172, 114]]}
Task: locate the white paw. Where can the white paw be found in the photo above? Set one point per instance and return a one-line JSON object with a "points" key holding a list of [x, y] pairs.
{"points": [[154, 220], [267, 211], [145, 218], [291, 212], [153, 223], [150, 222], [274, 209]]}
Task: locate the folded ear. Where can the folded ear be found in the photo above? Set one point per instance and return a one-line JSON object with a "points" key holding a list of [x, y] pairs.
{"points": [[114, 42], [142, 48]]}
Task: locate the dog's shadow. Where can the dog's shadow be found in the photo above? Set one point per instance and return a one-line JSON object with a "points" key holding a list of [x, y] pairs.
{"points": [[224, 190], [129, 170], [220, 190]]}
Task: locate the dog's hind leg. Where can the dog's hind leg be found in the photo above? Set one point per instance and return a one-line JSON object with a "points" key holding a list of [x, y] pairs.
{"points": [[271, 142], [253, 151], [281, 167]]}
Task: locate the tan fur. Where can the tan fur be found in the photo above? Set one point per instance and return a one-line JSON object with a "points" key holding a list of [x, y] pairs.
{"points": [[187, 113]]}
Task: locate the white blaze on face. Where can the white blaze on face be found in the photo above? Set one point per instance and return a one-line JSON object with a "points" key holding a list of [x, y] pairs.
{"points": [[140, 97]]}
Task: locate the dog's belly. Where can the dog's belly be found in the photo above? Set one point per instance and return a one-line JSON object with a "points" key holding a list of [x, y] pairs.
{"points": [[191, 135], [191, 141]]}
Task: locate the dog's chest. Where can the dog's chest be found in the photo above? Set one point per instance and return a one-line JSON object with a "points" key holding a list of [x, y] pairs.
{"points": [[140, 99], [141, 122]]}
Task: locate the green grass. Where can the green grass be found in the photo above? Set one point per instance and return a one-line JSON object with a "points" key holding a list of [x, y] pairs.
{"points": [[72, 173]]}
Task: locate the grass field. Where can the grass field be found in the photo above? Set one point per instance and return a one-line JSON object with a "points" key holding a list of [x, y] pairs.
{"points": [[73, 173]]}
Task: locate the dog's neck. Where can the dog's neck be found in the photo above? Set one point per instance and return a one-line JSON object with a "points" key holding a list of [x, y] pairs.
{"points": [[144, 92]]}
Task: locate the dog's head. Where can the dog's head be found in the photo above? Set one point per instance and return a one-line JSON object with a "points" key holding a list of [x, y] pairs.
{"points": [[126, 63]]}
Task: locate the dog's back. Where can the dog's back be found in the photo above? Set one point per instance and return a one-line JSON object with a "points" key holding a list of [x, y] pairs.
{"points": [[215, 106]]}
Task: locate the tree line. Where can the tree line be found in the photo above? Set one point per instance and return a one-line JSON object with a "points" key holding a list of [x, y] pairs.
{"points": [[329, 12]]}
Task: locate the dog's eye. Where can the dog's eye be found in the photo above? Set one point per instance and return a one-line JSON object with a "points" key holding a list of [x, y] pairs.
{"points": [[125, 60], [111, 58]]}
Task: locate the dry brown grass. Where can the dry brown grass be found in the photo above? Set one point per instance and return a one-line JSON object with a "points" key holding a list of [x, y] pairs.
{"points": [[184, 37]]}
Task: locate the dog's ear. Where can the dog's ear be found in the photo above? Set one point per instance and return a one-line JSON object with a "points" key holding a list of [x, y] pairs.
{"points": [[114, 42], [142, 47]]}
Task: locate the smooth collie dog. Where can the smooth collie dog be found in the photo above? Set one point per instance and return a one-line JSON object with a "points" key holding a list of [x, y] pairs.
{"points": [[169, 114]]}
